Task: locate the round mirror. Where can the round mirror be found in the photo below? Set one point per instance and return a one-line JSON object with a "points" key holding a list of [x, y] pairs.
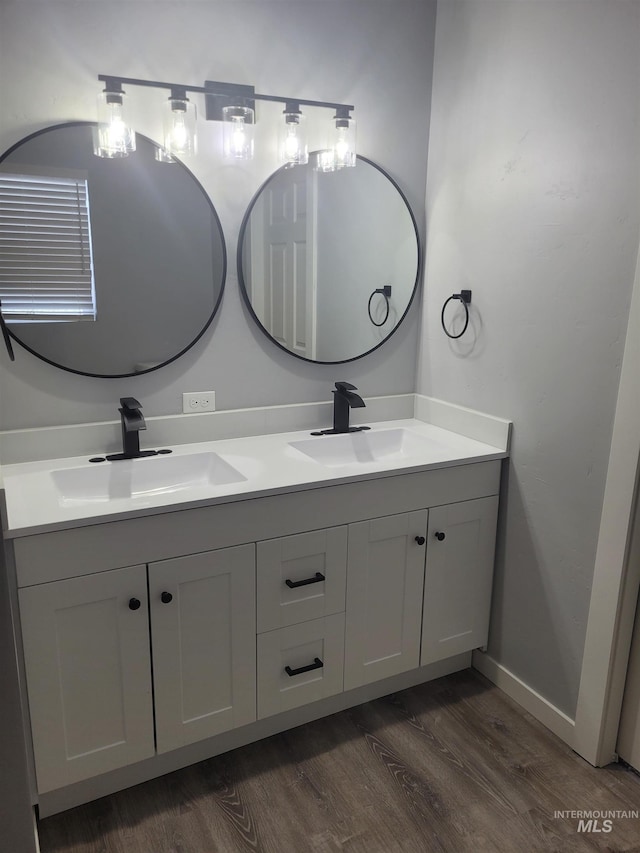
{"points": [[108, 268], [329, 261]]}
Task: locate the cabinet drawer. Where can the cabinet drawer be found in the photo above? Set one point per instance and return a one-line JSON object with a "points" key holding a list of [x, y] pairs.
{"points": [[300, 664], [301, 577]]}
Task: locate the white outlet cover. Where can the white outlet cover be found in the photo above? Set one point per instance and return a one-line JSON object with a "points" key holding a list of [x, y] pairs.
{"points": [[198, 401]]}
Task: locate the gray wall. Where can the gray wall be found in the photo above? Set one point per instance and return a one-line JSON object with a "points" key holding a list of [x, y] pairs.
{"points": [[376, 54], [533, 203]]}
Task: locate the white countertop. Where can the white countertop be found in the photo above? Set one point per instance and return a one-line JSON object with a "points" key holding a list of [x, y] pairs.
{"points": [[268, 464]]}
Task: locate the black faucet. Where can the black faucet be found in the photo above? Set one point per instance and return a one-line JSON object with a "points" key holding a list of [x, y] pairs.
{"points": [[344, 399], [132, 421]]}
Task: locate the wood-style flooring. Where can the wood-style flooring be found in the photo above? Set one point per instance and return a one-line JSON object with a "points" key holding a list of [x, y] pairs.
{"points": [[453, 765]]}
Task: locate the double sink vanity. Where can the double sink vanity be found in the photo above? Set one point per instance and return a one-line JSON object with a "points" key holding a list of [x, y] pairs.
{"points": [[173, 603], [175, 606]]}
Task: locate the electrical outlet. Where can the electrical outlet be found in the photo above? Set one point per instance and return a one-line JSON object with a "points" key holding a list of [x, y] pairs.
{"points": [[198, 401]]}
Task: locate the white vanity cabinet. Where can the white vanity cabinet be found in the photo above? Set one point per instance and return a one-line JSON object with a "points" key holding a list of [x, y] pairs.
{"points": [[88, 668], [301, 582], [89, 661], [419, 588], [260, 614], [203, 639], [384, 597], [458, 578]]}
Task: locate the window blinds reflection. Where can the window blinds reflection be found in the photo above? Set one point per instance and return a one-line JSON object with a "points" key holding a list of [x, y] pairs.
{"points": [[46, 267]]}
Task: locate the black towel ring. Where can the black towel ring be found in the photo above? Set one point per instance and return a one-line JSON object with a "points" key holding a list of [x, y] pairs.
{"points": [[465, 297], [386, 292]]}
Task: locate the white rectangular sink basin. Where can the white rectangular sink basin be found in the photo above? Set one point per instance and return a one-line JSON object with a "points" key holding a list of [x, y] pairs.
{"points": [[142, 478], [360, 448]]}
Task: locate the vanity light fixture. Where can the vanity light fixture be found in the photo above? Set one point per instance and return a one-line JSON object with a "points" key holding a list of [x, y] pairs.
{"points": [[114, 136], [234, 105], [293, 148], [237, 132], [343, 143], [179, 124], [341, 151]]}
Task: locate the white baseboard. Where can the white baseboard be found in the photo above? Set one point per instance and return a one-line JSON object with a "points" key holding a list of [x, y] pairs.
{"points": [[539, 707]]}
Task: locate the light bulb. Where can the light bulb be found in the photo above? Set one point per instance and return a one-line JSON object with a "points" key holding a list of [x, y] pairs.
{"points": [[179, 125], [179, 134], [237, 124], [238, 137], [292, 145], [341, 148], [343, 143], [113, 137]]}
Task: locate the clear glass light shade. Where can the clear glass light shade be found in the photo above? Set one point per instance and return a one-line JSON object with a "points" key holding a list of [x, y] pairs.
{"points": [[324, 161], [163, 156], [292, 139], [237, 133], [179, 127], [343, 142], [113, 137]]}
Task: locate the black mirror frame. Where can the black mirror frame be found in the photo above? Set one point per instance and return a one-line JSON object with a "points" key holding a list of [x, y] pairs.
{"points": [[216, 219], [243, 286]]}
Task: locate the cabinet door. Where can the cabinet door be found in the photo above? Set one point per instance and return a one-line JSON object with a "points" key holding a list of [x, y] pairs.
{"points": [[88, 674], [458, 578], [385, 575], [203, 630], [301, 577]]}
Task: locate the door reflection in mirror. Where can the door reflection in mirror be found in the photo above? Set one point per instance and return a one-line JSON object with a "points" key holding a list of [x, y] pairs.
{"points": [[314, 246]]}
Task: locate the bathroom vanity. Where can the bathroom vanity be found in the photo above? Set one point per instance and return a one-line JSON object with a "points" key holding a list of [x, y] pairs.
{"points": [[239, 587]]}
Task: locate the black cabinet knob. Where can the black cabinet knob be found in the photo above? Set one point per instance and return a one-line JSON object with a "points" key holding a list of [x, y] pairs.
{"points": [[440, 536], [134, 604], [420, 540], [166, 597]]}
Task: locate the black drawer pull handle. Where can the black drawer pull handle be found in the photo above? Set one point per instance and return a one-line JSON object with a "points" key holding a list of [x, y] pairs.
{"points": [[317, 664], [134, 604], [317, 578], [440, 536], [166, 597], [420, 540]]}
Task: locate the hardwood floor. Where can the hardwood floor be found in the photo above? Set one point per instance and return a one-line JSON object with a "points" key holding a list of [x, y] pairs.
{"points": [[453, 765]]}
